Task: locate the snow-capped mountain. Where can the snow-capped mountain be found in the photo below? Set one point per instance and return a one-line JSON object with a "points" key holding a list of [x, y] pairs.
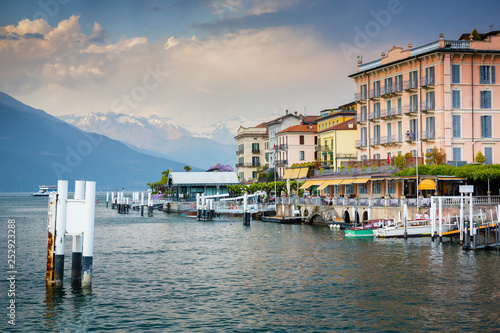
{"points": [[197, 146]]}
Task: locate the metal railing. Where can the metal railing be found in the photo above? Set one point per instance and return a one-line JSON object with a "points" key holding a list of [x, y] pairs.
{"points": [[410, 84], [427, 81], [240, 152], [360, 143], [255, 151], [410, 109], [374, 141], [427, 135], [427, 105], [362, 117]]}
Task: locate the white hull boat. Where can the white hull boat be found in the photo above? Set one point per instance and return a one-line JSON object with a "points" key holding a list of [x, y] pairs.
{"points": [[414, 228]]}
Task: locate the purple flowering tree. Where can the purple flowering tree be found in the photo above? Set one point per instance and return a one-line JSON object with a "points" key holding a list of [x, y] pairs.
{"points": [[221, 168]]}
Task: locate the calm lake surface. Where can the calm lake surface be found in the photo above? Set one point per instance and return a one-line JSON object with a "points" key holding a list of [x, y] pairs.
{"points": [[174, 274]]}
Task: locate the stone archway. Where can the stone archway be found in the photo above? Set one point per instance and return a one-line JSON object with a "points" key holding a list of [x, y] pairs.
{"points": [[365, 215], [317, 219], [346, 217]]}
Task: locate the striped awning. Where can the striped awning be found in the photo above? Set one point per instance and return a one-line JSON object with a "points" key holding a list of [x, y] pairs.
{"points": [[303, 172], [328, 183], [310, 183], [347, 181], [361, 180], [291, 173]]}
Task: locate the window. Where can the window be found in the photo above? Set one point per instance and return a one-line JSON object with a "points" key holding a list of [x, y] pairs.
{"points": [[488, 155], [455, 73], [315, 140], [255, 148], [487, 74], [486, 126], [413, 152], [429, 75], [377, 187], [267, 157], [413, 83], [376, 88], [363, 157], [400, 131], [391, 186], [301, 139], [457, 154], [266, 145], [349, 189], [241, 161], [389, 107], [363, 113], [255, 161], [376, 156], [388, 85], [455, 99], [376, 110], [457, 126], [398, 83], [362, 188], [363, 136], [413, 103], [363, 92], [429, 127], [429, 100], [301, 155], [413, 128], [254, 174], [486, 99], [376, 134], [389, 131]]}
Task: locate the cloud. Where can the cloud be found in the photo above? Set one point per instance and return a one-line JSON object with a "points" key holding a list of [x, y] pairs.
{"points": [[156, 9], [271, 6], [252, 73], [34, 35]]}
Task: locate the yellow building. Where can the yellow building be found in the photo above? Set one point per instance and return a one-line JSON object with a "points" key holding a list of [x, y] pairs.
{"points": [[334, 139]]}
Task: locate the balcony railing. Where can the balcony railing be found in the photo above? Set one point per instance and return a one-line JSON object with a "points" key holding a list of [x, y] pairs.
{"points": [[375, 141], [359, 97], [398, 88], [410, 84], [240, 152], [255, 151], [362, 117], [427, 106], [427, 135], [374, 93], [427, 81], [391, 139], [346, 156], [360, 143], [282, 147], [410, 109], [281, 163], [247, 165], [388, 90]]}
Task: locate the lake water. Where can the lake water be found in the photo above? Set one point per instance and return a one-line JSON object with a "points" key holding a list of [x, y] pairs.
{"points": [[174, 274]]}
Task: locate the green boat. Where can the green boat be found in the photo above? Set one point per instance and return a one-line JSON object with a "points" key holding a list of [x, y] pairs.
{"points": [[366, 228]]}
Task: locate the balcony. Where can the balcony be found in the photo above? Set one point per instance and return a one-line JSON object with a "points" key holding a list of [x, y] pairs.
{"points": [[388, 90], [427, 106], [240, 152], [375, 141], [360, 97], [427, 135], [374, 94], [281, 163], [391, 139], [362, 118], [282, 147], [410, 85], [360, 143], [391, 112], [346, 156], [247, 165], [427, 82], [375, 115], [398, 88], [408, 109]]}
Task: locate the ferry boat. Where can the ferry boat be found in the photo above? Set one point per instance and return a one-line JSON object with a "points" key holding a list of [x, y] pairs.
{"points": [[367, 227], [45, 190]]}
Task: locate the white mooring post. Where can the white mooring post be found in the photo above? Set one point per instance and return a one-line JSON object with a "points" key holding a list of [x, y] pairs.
{"points": [[440, 219], [73, 217]]}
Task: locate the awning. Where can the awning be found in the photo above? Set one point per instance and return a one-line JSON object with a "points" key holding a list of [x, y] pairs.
{"points": [[303, 172], [451, 178], [361, 180], [427, 184], [288, 173], [329, 182], [310, 183], [347, 181]]}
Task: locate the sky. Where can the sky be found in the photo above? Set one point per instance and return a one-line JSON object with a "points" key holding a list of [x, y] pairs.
{"points": [[203, 61]]}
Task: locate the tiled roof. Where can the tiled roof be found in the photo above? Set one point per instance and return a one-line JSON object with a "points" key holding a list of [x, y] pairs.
{"points": [[342, 126], [301, 128]]}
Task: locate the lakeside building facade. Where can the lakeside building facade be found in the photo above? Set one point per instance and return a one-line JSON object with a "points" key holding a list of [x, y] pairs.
{"points": [[253, 146], [443, 94], [296, 144], [337, 144]]}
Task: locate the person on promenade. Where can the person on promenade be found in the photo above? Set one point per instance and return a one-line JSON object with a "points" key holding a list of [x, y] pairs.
{"points": [[418, 216], [426, 216]]}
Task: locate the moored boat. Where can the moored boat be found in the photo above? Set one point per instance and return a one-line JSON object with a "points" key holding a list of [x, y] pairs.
{"points": [[414, 228], [367, 227], [45, 190]]}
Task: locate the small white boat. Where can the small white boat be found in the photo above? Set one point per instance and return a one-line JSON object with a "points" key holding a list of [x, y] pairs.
{"points": [[45, 190], [414, 228]]}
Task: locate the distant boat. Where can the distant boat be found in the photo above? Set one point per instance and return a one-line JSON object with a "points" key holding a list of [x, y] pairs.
{"points": [[45, 190], [414, 228]]}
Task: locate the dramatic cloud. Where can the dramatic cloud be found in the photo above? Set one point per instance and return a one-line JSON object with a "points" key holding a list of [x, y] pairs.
{"points": [[251, 73]]}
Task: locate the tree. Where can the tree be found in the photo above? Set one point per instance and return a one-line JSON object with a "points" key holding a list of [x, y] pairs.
{"points": [[480, 157], [435, 156], [221, 168], [399, 161], [187, 168], [475, 35], [162, 184]]}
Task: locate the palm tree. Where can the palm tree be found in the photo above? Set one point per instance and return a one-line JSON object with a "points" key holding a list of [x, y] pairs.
{"points": [[187, 168]]}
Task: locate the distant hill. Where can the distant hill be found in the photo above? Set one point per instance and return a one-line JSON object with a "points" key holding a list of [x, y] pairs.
{"points": [[38, 149]]}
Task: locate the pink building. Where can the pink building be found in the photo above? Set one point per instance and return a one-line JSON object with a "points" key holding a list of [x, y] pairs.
{"points": [[443, 94], [296, 144]]}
